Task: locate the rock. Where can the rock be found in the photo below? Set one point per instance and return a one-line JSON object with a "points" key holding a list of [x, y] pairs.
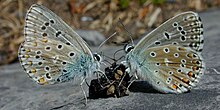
{"points": [[93, 38]]}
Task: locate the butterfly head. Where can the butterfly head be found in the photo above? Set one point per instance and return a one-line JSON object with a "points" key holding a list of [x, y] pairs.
{"points": [[97, 57], [128, 48]]}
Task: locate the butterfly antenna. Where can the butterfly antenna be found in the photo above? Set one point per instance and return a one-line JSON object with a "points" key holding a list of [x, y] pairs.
{"points": [[120, 43], [117, 52], [130, 35], [120, 58], [106, 40], [107, 62], [103, 63], [109, 57]]}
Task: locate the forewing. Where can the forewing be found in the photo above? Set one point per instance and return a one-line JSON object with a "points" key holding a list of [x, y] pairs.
{"points": [[185, 29], [52, 51], [41, 22]]}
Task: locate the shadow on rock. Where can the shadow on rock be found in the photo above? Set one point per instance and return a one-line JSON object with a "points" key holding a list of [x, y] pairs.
{"points": [[145, 87], [142, 86]]}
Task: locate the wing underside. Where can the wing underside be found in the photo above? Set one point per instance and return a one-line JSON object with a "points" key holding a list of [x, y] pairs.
{"points": [[171, 68]]}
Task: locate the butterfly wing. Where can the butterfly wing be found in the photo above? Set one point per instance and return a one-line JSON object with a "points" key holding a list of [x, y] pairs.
{"points": [[176, 70], [52, 51], [169, 62], [184, 29], [42, 22]]}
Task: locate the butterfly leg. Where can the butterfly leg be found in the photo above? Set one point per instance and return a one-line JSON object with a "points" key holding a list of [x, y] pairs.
{"points": [[103, 63], [83, 89], [130, 85], [121, 80], [99, 76], [136, 77], [104, 76]]}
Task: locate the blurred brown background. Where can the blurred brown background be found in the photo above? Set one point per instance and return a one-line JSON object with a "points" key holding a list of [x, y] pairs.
{"points": [[138, 16]]}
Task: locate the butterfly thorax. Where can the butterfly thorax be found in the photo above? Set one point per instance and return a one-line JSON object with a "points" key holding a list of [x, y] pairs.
{"points": [[82, 67], [132, 63]]}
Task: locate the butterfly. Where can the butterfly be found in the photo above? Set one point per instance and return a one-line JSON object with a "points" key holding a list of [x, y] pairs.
{"points": [[52, 51], [169, 58]]}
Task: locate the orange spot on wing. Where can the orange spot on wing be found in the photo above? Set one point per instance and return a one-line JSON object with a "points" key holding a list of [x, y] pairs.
{"points": [[194, 61], [174, 86], [190, 55], [194, 68], [42, 81], [26, 56], [33, 70], [34, 44], [44, 40], [185, 80], [29, 62], [27, 50], [190, 74], [188, 66]]}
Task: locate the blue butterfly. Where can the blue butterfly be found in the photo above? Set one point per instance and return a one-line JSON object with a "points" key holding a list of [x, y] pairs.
{"points": [[52, 51], [169, 58]]}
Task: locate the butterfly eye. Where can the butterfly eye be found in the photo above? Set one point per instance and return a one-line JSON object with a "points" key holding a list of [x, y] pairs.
{"points": [[97, 57], [128, 48]]}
